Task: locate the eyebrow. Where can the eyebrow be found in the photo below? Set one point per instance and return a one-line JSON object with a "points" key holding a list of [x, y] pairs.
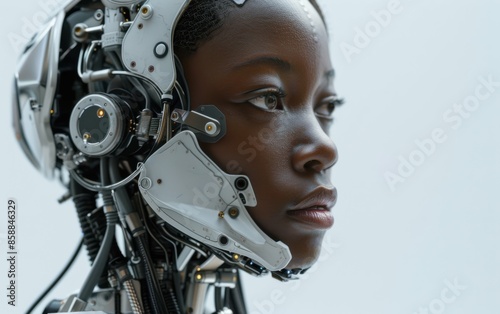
{"points": [[272, 61]]}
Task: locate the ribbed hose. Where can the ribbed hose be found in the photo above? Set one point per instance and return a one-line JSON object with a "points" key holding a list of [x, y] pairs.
{"points": [[155, 296], [101, 259], [145, 299], [171, 300], [132, 297], [84, 201]]}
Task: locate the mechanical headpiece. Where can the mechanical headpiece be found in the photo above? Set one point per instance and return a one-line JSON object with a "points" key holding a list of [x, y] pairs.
{"points": [[101, 80]]}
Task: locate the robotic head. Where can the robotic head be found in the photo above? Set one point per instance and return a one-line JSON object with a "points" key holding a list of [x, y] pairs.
{"points": [[101, 84]]}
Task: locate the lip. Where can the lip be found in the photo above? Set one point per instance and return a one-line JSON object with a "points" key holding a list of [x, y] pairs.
{"points": [[315, 208]]}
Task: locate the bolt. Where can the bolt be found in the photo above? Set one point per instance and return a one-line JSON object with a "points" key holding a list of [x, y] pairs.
{"points": [[234, 212], [175, 116], [145, 183], [146, 11]]}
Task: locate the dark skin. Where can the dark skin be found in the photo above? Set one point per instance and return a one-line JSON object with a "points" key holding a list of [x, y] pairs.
{"points": [[269, 71]]}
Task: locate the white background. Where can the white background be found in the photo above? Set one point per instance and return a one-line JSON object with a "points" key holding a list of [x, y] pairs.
{"points": [[390, 251]]}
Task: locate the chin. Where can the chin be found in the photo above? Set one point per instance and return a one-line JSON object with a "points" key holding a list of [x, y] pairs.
{"points": [[305, 253]]}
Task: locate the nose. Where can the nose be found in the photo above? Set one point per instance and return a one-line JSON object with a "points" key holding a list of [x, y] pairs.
{"points": [[315, 150]]}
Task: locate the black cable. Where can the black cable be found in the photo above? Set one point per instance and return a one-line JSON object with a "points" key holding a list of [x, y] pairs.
{"points": [[57, 279], [237, 297], [84, 201], [101, 260], [218, 298], [155, 296]]}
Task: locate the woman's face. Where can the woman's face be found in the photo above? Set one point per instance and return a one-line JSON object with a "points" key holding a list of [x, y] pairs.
{"points": [[268, 70]]}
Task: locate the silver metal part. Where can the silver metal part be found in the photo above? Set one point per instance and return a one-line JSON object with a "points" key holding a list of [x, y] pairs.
{"points": [[147, 30], [101, 302], [92, 76], [65, 151], [64, 148], [197, 121], [193, 192], [198, 290], [144, 125], [77, 305], [224, 278], [133, 297], [103, 136], [115, 4], [239, 2], [36, 80], [84, 28], [184, 257], [113, 33]]}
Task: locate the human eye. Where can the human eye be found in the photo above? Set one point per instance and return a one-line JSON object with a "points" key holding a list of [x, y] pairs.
{"points": [[269, 99], [326, 107]]}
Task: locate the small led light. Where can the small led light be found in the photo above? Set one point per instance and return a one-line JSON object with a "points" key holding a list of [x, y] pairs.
{"points": [[100, 113], [86, 137], [236, 257], [199, 277], [210, 128]]}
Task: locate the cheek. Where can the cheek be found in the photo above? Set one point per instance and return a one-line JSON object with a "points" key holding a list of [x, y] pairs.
{"points": [[251, 147], [261, 151]]}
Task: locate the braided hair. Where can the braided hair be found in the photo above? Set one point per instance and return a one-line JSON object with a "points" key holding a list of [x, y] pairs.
{"points": [[202, 19]]}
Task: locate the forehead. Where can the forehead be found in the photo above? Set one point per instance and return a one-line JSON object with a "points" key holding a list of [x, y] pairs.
{"points": [[271, 27]]}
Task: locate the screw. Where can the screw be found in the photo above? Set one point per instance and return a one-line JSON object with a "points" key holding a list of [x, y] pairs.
{"points": [[234, 212], [146, 11], [223, 240], [146, 183], [175, 116]]}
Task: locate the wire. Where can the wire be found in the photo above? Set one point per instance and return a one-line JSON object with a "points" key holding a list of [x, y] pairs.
{"points": [[96, 187], [101, 259], [57, 279], [191, 245], [238, 297], [155, 295], [218, 299], [149, 81]]}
